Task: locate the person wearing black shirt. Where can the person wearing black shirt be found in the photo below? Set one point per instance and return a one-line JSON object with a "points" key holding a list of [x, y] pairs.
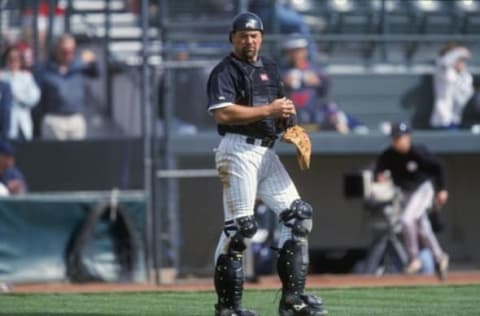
{"points": [[246, 98], [420, 175]]}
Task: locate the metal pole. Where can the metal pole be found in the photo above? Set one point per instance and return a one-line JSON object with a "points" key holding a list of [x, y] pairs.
{"points": [[1, 20], [168, 192], [147, 144], [158, 199], [242, 5], [35, 31], [106, 48], [384, 30], [68, 13], [52, 4], [171, 188]]}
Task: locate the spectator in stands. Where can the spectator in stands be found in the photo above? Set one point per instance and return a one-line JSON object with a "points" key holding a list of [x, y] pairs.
{"points": [[336, 119], [61, 80], [305, 82], [280, 16], [25, 92], [185, 119], [26, 51], [6, 100], [43, 20], [452, 87], [12, 180]]}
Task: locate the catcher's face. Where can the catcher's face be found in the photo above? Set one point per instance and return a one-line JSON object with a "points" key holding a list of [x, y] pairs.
{"points": [[246, 44]]}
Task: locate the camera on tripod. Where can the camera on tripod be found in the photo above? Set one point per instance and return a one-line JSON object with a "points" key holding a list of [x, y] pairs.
{"points": [[382, 199], [383, 203], [361, 184]]}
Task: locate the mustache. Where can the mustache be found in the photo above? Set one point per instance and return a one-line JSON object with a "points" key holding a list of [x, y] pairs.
{"points": [[249, 48]]}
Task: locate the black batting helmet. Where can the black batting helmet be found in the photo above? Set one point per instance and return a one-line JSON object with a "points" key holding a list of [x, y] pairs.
{"points": [[246, 21]]}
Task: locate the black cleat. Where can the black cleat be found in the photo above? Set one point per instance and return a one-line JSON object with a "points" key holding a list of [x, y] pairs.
{"points": [[302, 305], [225, 311]]}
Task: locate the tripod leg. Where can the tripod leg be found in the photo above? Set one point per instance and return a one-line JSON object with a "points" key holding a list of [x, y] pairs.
{"points": [[399, 250], [376, 255]]}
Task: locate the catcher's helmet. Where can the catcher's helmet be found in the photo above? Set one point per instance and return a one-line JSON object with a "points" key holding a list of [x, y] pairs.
{"points": [[246, 21]]}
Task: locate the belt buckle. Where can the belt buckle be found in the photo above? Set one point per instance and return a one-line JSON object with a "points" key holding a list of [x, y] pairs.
{"points": [[268, 142], [264, 142]]}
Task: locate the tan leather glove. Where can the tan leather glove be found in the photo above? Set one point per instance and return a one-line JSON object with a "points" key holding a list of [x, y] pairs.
{"points": [[298, 136]]}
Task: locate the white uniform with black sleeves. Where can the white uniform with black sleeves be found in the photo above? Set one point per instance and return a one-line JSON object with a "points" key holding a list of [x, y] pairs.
{"points": [[418, 173]]}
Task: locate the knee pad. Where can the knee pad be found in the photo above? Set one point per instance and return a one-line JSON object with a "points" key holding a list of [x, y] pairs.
{"points": [[238, 230], [299, 218]]}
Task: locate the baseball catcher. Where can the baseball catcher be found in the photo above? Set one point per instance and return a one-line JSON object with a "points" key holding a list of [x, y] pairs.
{"points": [[246, 98]]}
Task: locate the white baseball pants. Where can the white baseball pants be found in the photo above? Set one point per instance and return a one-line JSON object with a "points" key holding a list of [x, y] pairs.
{"points": [[248, 172], [416, 225]]}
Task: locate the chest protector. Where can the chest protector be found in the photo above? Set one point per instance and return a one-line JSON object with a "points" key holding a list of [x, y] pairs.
{"points": [[255, 86]]}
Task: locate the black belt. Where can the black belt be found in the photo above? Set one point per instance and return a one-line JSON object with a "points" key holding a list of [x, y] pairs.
{"points": [[264, 142]]}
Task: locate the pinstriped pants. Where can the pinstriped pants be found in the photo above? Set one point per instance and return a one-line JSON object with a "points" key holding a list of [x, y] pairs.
{"points": [[248, 171], [416, 225]]}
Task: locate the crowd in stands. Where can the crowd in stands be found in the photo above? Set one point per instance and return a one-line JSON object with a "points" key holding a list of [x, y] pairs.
{"points": [[48, 99], [45, 98], [309, 84]]}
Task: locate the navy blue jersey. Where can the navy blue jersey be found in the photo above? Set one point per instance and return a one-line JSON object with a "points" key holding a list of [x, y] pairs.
{"points": [[413, 168], [242, 83]]}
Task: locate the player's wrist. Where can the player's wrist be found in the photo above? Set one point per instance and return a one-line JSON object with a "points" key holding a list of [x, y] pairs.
{"points": [[268, 110]]}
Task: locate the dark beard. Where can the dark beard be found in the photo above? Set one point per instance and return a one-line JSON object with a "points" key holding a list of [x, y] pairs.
{"points": [[250, 56]]}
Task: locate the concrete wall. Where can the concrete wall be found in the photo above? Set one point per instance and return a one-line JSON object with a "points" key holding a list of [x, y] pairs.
{"points": [[338, 223]]}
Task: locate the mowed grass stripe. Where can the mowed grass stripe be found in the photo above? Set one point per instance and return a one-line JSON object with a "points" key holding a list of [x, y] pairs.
{"points": [[391, 301]]}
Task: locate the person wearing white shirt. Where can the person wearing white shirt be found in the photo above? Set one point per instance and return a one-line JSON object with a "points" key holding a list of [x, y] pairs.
{"points": [[26, 94], [452, 87]]}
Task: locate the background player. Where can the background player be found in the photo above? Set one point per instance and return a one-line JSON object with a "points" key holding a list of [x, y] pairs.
{"points": [[419, 174], [246, 98]]}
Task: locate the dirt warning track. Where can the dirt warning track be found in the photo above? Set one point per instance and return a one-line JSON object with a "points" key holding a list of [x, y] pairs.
{"points": [[267, 282]]}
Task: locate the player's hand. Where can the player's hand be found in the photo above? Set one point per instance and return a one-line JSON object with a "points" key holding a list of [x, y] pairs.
{"points": [[442, 197], [88, 56], [342, 128], [16, 186], [465, 52], [383, 176], [293, 79], [282, 108], [312, 79]]}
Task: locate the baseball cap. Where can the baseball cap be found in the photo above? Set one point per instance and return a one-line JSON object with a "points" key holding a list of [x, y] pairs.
{"points": [[6, 149], [330, 108], [295, 41], [399, 129]]}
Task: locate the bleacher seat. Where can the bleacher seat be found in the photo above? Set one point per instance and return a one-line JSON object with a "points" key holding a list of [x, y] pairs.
{"points": [[373, 99], [97, 6]]}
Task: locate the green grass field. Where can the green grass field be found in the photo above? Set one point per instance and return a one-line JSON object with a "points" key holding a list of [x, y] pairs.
{"points": [[388, 301]]}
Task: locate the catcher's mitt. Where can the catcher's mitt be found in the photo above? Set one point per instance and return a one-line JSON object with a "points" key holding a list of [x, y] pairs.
{"points": [[298, 136]]}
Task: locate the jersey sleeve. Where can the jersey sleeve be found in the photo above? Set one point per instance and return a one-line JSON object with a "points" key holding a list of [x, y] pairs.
{"points": [[433, 166], [381, 164], [220, 89]]}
